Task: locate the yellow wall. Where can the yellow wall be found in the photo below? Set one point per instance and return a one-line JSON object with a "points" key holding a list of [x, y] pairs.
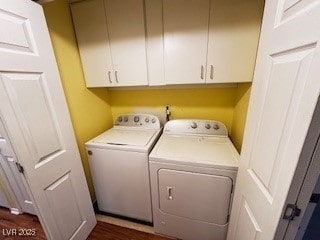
{"points": [[93, 110], [241, 102], [201, 103], [228, 105], [89, 108]]}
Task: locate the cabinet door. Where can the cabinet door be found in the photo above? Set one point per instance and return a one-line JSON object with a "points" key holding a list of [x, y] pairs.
{"points": [[125, 20], [196, 196], [185, 40], [233, 40], [92, 35]]}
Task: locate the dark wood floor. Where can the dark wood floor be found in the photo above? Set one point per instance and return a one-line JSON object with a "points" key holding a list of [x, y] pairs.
{"points": [[112, 232], [19, 223], [103, 230]]}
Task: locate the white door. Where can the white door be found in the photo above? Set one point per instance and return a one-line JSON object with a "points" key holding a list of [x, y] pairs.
{"points": [[3, 183], [34, 112], [125, 19], [16, 182], [185, 26], [284, 94], [3, 189]]}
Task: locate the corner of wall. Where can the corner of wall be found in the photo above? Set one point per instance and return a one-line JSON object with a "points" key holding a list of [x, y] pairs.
{"points": [[241, 103]]}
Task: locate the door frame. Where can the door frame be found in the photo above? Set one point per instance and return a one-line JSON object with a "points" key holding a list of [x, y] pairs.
{"points": [[304, 180], [15, 182]]}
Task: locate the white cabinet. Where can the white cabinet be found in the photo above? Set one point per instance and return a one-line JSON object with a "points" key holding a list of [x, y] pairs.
{"points": [[111, 38], [185, 24], [164, 42], [210, 41], [93, 41], [234, 30]]}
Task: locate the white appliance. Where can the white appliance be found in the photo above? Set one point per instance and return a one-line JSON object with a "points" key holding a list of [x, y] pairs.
{"points": [[119, 165], [193, 169]]}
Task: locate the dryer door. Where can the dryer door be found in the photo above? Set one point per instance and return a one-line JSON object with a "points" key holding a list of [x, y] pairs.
{"points": [[196, 196]]}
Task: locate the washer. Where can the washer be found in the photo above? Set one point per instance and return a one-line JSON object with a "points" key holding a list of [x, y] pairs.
{"points": [[193, 169], [118, 160]]}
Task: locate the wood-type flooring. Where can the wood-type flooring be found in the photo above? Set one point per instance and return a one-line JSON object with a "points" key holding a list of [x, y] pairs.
{"points": [[102, 230]]}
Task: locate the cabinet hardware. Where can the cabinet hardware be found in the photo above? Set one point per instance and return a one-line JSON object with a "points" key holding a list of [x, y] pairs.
{"points": [[169, 193], [202, 71], [116, 74], [211, 72], [109, 76]]}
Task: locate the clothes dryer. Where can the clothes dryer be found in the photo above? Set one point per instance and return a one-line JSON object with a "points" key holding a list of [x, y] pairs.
{"points": [[193, 170]]}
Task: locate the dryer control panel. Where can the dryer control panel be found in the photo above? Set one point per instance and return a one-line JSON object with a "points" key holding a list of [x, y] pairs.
{"points": [[196, 126], [148, 121]]}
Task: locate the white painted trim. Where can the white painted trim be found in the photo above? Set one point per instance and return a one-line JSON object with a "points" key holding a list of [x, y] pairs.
{"points": [[305, 178]]}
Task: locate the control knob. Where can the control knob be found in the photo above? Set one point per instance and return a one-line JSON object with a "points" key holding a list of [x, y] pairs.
{"points": [[136, 119], [125, 119], [208, 126], [194, 125], [153, 120], [147, 120], [119, 119], [216, 127]]}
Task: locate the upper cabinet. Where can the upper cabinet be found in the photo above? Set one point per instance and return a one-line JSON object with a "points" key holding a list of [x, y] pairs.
{"points": [[185, 24], [165, 42], [111, 39], [210, 41], [234, 31]]}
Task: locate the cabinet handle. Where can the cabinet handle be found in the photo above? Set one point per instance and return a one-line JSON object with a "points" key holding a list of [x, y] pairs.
{"points": [[211, 72], [116, 74], [202, 71], [169, 193], [109, 76]]}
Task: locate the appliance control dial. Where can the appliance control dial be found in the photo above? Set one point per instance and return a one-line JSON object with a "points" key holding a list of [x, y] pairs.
{"points": [[136, 119], [216, 127], [208, 126], [120, 119], [194, 125], [147, 120], [153, 120], [125, 119]]}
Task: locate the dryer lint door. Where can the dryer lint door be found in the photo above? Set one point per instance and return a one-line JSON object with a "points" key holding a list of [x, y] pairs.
{"points": [[196, 196]]}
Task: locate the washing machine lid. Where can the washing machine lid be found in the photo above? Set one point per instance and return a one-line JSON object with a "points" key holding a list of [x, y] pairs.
{"points": [[132, 137], [215, 151]]}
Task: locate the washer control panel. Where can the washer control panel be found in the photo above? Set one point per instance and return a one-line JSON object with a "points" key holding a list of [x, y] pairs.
{"points": [[185, 126], [138, 120]]}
